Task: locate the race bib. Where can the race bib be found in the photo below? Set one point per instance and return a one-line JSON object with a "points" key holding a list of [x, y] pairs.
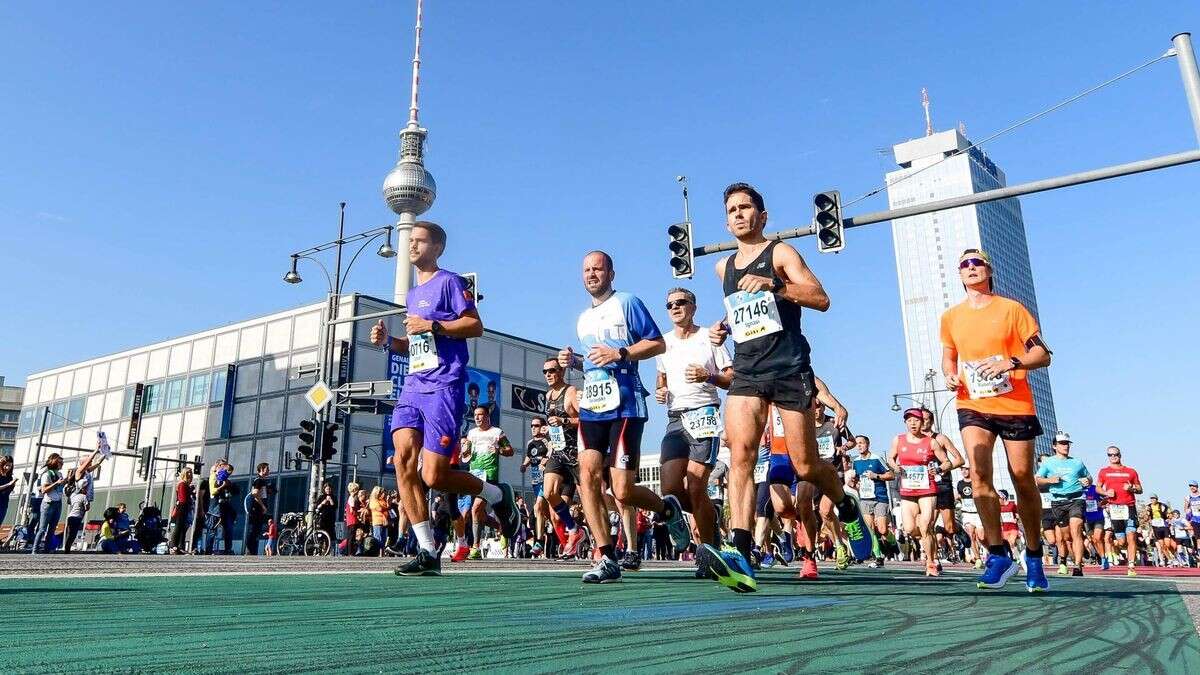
{"points": [[1180, 532], [914, 477], [422, 353], [702, 423], [558, 437], [979, 386], [1093, 505], [866, 488], [1118, 512], [760, 472], [1196, 508], [1047, 500], [968, 506], [1157, 522], [480, 474], [1008, 517], [776, 423], [825, 447], [752, 315], [600, 391]]}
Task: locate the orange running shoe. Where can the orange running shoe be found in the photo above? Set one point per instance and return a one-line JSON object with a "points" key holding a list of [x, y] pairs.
{"points": [[808, 570], [460, 554]]}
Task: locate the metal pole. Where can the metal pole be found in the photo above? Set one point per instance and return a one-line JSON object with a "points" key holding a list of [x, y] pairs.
{"points": [[403, 266], [1190, 74], [150, 473], [23, 510], [1092, 176]]}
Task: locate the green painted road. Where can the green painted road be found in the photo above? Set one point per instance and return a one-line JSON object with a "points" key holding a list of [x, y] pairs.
{"points": [[546, 621]]}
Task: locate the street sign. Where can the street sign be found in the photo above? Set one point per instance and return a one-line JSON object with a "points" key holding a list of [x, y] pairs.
{"points": [[318, 396]]}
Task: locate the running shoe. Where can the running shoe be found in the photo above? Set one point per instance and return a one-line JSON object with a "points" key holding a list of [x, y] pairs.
{"points": [[841, 557], [808, 570], [755, 560], [978, 564], [787, 549], [1035, 576], [460, 554], [998, 570], [933, 570], [939, 567], [702, 571], [560, 531], [768, 561], [1104, 562], [1130, 572], [474, 554], [681, 534], [729, 568], [1062, 570], [571, 549], [632, 562], [862, 539], [506, 511], [424, 564], [1077, 572], [605, 572]]}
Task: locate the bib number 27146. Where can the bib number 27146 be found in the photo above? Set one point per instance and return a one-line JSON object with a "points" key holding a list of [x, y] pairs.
{"points": [[752, 315]]}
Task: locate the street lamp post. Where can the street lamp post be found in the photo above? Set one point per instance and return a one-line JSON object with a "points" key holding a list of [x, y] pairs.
{"points": [[332, 303]]}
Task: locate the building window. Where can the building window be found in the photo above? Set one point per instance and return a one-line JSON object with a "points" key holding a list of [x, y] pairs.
{"points": [[75, 412], [218, 386], [174, 394], [58, 415], [25, 426], [127, 406], [152, 398], [197, 391]]}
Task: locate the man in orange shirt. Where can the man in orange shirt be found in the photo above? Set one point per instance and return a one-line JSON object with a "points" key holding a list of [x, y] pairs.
{"points": [[989, 343]]}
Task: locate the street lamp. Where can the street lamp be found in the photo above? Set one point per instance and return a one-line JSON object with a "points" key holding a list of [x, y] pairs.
{"points": [[293, 277]]}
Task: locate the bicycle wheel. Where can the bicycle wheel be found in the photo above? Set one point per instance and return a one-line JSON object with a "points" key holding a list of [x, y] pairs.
{"points": [[289, 542], [317, 543]]}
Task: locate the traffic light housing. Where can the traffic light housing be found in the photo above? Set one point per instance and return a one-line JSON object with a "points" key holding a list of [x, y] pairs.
{"points": [[683, 258], [308, 436], [143, 466], [472, 279], [831, 234], [329, 441]]}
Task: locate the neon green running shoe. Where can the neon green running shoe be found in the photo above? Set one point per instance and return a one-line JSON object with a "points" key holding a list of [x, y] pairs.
{"points": [[841, 557], [729, 568]]}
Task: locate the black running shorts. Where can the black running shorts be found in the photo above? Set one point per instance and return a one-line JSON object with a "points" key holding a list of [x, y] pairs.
{"points": [[793, 392], [1007, 427]]}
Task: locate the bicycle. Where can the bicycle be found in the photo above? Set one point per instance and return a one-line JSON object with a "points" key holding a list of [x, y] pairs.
{"points": [[295, 539]]}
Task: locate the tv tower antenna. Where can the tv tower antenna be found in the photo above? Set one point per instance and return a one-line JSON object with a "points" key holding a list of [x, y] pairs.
{"points": [[409, 189], [925, 105]]}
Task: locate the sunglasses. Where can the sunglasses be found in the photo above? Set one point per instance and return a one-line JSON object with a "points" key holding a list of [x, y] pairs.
{"points": [[972, 262], [536, 424], [550, 370], [1111, 454], [672, 304]]}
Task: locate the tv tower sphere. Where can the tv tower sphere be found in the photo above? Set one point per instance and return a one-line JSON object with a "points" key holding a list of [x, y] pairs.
{"points": [[409, 188]]}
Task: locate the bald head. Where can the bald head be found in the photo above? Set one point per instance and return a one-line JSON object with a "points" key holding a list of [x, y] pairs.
{"points": [[598, 273]]}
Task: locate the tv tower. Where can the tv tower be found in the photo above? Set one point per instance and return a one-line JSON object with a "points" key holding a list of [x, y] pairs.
{"points": [[409, 189]]}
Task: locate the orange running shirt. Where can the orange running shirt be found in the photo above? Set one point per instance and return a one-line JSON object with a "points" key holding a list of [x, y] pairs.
{"points": [[997, 331]]}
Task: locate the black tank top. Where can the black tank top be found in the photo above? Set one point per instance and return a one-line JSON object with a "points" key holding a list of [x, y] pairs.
{"points": [[780, 354], [556, 408]]}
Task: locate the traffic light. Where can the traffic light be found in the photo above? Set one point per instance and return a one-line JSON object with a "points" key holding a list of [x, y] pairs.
{"points": [[472, 280], [683, 259], [831, 234], [143, 466], [307, 437], [329, 441]]}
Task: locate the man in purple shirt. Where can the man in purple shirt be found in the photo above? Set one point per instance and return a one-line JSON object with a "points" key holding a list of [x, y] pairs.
{"points": [[441, 317]]}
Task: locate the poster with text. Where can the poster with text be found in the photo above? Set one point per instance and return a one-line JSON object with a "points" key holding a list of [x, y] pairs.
{"points": [[483, 388]]}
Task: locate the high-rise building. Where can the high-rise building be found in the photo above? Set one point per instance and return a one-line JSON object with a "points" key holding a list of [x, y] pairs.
{"points": [[939, 166], [10, 409]]}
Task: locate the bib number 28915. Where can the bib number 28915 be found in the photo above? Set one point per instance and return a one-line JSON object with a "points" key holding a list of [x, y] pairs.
{"points": [[600, 391]]}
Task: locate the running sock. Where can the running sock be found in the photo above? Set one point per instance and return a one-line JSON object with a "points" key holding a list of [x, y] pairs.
{"points": [[803, 553], [424, 536], [608, 552], [491, 494], [743, 542], [462, 541], [1054, 552], [476, 531], [1031, 552], [998, 549], [564, 516]]}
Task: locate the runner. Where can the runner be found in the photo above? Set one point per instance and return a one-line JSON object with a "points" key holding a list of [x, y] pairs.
{"points": [[775, 486], [1119, 483], [1051, 533], [976, 548], [989, 345], [1181, 538], [482, 449], [689, 373], [1010, 530], [1191, 508], [537, 451], [562, 469], [616, 332], [441, 317], [1160, 533], [873, 479], [833, 442], [1093, 518], [916, 456], [1063, 475], [945, 530], [766, 284]]}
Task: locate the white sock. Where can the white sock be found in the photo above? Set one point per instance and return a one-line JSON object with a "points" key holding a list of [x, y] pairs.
{"points": [[491, 494], [424, 536]]}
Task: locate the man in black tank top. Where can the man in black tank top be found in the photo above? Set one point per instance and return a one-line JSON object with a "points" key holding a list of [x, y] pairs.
{"points": [[766, 283], [562, 468]]}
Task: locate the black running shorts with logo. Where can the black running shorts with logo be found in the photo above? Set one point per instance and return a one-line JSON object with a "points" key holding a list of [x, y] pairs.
{"points": [[558, 465], [1063, 510], [677, 443], [794, 392], [1007, 427], [619, 440]]}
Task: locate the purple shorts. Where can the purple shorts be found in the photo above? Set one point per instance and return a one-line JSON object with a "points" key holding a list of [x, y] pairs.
{"points": [[435, 414]]}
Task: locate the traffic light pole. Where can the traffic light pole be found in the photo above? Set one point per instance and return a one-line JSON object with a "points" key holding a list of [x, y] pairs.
{"points": [[1191, 81]]}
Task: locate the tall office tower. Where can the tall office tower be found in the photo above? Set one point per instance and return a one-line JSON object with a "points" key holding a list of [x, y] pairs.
{"points": [[939, 166]]}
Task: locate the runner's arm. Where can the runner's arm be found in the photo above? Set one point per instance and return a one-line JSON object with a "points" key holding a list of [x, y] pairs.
{"points": [[469, 325], [723, 379], [939, 451], [887, 473], [571, 404], [800, 285], [950, 366], [824, 395], [893, 454], [956, 457]]}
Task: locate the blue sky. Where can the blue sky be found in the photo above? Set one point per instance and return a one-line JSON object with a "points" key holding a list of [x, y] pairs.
{"points": [[169, 158]]}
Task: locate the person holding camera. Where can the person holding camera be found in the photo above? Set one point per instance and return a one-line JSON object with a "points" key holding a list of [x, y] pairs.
{"points": [[79, 502], [49, 487], [181, 511], [220, 509]]}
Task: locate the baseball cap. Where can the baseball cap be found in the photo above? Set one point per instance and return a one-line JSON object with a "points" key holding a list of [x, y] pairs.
{"points": [[914, 412], [1192, 482], [1062, 437]]}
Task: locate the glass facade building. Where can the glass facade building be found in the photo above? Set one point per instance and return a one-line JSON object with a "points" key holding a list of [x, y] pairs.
{"points": [[233, 392], [927, 248]]}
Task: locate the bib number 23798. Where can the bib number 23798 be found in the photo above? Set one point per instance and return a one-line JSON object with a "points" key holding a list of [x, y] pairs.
{"points": [[422, 353], [600, 391], [752, 315]]}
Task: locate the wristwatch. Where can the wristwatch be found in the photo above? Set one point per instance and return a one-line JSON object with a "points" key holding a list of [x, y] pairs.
{"points": [[1016, 363], [777, 285], [435, 327], [624, 353]]}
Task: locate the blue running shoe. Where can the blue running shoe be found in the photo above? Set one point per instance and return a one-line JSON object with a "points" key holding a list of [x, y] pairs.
{"points": [[787, 549], [1035, 577], [768, 561], [862, 540], [729, 568], [677, 527], [998, 570], [1103, 562]]}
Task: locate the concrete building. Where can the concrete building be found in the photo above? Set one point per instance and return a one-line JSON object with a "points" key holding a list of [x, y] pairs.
{"points": [[232, 392], [939, 166], [10, 407]]}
